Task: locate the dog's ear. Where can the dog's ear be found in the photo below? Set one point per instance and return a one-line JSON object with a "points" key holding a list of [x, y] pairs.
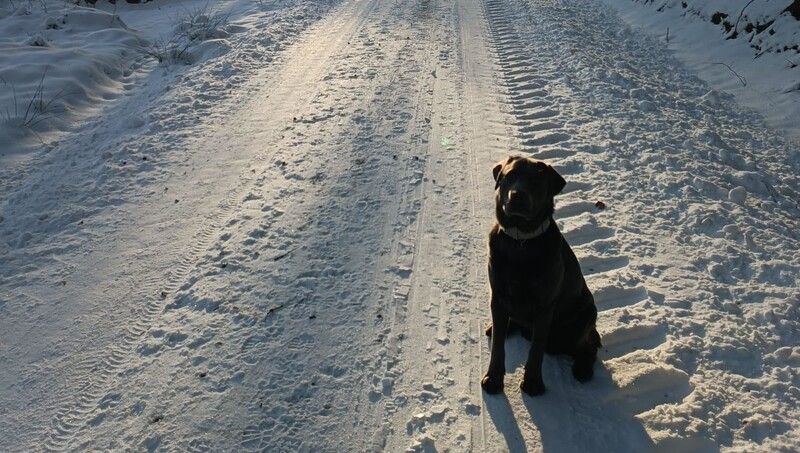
{"points": [[498, 168], [555, 182]]}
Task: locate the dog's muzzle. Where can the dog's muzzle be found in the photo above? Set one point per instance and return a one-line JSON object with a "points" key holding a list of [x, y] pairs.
{"points": [[517, 203]]}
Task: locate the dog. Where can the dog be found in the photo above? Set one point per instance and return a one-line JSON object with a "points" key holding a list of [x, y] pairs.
{"points": [[536, 281]]}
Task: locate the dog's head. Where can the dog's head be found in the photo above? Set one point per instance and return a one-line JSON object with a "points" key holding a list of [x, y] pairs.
{"points": [[524, 191]]}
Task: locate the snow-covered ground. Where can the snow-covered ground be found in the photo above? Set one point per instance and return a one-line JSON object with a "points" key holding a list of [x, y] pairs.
{"points": [[260, 225]]}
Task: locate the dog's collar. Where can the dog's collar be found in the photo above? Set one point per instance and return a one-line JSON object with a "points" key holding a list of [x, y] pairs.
{"points": [[516, 234]]}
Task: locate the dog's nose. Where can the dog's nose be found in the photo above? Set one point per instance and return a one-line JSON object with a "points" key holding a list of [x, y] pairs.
{"points": [[517, 199]]}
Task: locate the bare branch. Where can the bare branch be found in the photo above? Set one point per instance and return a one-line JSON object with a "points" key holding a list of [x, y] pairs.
{"points": [[740, 17], [741, 79]]}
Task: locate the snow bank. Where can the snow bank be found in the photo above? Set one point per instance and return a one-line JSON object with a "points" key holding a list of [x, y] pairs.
{"points": [[58, 61], [61, 62], [756, 57], [767, 26]]}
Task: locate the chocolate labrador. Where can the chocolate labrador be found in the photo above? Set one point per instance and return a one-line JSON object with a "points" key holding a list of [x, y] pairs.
{"points": [[536, 281]]}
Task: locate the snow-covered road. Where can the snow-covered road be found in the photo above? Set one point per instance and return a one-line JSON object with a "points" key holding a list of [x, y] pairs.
{"points": [[291, 256]]}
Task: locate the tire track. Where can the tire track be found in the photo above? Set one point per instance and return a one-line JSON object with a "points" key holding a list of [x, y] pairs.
{"points": [[431, 350], [375, 399], [491, 135], [547, 131], [101, 367], [579, 219]]}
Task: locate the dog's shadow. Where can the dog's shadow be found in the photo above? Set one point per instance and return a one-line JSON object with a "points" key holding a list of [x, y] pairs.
{"points": [[570, 416]]}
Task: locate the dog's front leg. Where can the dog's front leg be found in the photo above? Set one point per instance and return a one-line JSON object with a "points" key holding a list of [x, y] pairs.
{"points": [[492, 381], [532, 382]]}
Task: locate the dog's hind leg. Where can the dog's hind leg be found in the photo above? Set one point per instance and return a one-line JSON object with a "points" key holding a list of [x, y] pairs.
{"points": [[513, 327], [588, 340], [585, 355]]}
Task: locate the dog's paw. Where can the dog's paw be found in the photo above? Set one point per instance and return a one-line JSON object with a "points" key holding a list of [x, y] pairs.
{"points": [[531, 387], [492, 384], [583, 371]]}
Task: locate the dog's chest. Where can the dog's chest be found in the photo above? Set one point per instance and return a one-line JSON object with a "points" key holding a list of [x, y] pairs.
{"points": [[519, 281], [521, 260]]}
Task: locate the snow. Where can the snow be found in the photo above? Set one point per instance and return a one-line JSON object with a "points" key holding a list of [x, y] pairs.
{"points": [[271, 237], [760, 66], [57, 63]]}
